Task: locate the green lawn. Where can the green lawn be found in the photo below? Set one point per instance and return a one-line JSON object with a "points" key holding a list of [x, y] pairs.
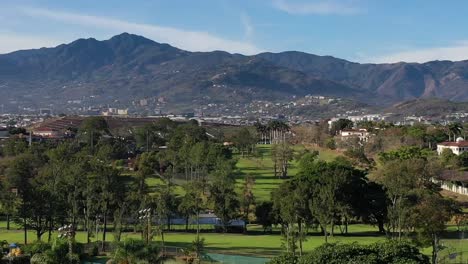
{"points": [[326, 154], [260, 244], [262, 170], [154, 182], [255, 243]]}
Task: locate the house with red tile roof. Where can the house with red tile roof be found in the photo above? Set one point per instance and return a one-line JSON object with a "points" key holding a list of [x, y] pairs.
{"points": [[457, 147]]}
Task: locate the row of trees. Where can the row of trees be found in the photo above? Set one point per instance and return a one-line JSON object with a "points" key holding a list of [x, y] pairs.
{"points": [[415, 203], [389, 252], [323, 194], [80, 182], [273, 132], [399, 197], [63, 185]]}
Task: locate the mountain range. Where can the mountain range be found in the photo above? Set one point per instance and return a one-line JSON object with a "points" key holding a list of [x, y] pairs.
{"points": [[129, 67]]}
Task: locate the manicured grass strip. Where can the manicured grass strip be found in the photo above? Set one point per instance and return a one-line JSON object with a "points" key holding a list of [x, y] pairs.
{"points": [[256, 244]]}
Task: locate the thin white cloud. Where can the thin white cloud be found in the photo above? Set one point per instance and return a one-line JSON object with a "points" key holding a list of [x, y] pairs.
{"points": [[321, 7], [184, 39], [248, 27], [11, 42], [456, 52]]}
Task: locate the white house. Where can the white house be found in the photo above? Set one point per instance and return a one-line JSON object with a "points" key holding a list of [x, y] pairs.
{"points": [[457, 147], [362, 134]]}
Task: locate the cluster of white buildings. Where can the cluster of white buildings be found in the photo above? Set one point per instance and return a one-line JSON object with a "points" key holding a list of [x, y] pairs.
{"points": [[359, 118], [115, 111], [362, 134], [370, 117]]}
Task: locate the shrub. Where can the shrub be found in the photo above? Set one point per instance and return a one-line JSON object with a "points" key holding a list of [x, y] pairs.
{"points": [[16, 260], [390, 252], [44, 253], [95, 250], [41, 258], [120, 163], [133, 250], [4, 247], [463, 159], [36, 247], [330, 143], [399, 252]]}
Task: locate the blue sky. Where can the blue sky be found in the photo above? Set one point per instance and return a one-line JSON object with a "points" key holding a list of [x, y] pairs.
{"points": [[357, 30]]}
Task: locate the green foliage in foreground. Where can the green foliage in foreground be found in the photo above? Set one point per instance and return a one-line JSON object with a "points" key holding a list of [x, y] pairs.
{"points": [[136, 251], [56, 252], [389, 252]]}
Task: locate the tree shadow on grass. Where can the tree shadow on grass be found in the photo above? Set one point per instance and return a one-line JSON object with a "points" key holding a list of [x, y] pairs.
{"points": [[244, 251], [247, 251], [455, 235], [253, 168], [266, 185]]}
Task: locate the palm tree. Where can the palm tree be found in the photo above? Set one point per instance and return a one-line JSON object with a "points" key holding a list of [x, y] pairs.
{"points": [[262, 131], [454, 129], [276, 128], [465, 129], [267, 132], [284, 128], [272, 126]]}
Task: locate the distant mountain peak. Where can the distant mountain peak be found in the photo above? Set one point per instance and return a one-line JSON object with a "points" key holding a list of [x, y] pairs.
{"points": [[83, 42], [129, 66], [127, 37]]}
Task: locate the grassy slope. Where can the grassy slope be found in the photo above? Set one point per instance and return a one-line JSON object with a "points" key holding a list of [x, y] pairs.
{"points": [[262, 170]]}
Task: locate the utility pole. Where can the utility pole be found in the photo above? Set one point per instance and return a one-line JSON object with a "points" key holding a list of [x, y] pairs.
{"points": [[68, 231], [145, 217]]}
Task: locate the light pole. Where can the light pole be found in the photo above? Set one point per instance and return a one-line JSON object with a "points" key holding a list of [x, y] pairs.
{"points": [[145, 217], [68, 231]]}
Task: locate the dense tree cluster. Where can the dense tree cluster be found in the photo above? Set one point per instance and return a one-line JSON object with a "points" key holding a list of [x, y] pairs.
{"points": [[328, 194], [81, 181], [100, 179], [390, 252], [273, 132]]}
